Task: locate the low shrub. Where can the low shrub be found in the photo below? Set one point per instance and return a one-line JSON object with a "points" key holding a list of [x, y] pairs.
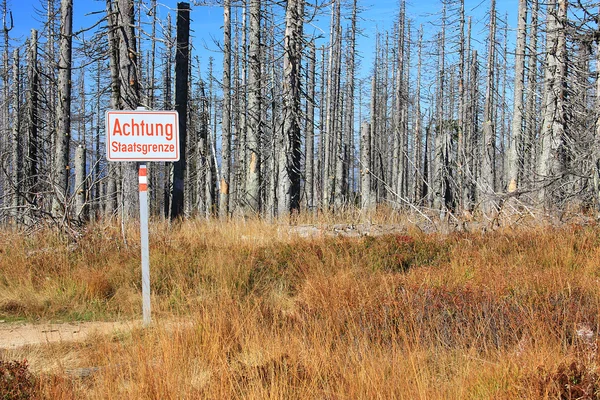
{"points": [[16, 381]]}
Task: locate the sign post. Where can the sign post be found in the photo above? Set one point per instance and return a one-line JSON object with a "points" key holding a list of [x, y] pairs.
{"points": [[143, 178], [143, 136]]}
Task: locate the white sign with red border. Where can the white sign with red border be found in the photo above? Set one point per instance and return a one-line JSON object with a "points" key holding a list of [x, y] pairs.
{"points": [[142, 135]]}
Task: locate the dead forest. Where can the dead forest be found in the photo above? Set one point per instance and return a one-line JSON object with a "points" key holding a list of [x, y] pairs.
{"points": [[448, 121]]}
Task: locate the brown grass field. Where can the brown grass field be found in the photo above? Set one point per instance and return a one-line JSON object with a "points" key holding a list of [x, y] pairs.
{"points": [[244, 310]]}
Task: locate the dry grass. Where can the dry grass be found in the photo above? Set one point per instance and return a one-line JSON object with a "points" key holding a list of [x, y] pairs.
{"points": [[503, 315]]}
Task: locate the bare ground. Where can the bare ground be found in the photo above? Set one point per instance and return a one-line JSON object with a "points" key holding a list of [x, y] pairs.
{"points": [[13, 336]]}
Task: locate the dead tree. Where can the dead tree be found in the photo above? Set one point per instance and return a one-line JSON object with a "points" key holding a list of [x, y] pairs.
{"points": [[226, 118], [115, 95], [81, 184], [309, 165], [16, 140], [253, 204], [129, 89], [550, 166], [348, 131], [63, 137], [181, 103], [515, 154], [487, 182], [288, 193], [33, 190]]}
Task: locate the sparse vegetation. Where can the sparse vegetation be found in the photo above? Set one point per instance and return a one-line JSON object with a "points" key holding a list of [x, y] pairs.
{"points": [[245, 310]]}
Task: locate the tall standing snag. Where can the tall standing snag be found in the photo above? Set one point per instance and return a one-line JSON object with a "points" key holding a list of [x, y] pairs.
{"points": [[17, 143], [181, 101], [596, 147], [129, 90], [514, 154], [486, 184], [226, 123], [113, 59], [553, 124], [254, 112], [32, 101], [288, 193], [309, 170], [349, 112], [5, 111], [63, 137]]}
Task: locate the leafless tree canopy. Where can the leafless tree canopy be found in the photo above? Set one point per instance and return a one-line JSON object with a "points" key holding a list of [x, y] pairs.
{"points": [[280, 117]]}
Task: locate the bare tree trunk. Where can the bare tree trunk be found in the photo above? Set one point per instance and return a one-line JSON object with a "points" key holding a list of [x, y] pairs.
{"points": [[550, 166], [236, 155], [462, 103], [50, 87], [96, 182], [226, 120], [468, 172], [254, 112], [129, 89], [153, 169], [320, 170], [502, 120], [63, 137], [428, 166], [442, 196], [203, 154], [473, 144], [211, 171], [514, 156], [152, 77], [181, 105], [17, 142], [329, 150], [367, 202], [128, 56], [288, 196], [81, 208], [166, 168], [337, 175], [271, 141], [115, 95], [399, 134], [348, 130], [309, 166], [4, 126], [419, 173], [596, 144], [381, 154], [531, 130], [404, 181], [243, 113], [487, 179], [32, 102]]}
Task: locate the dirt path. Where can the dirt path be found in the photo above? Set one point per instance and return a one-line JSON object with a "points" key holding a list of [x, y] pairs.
{"points": [[13, 336]]}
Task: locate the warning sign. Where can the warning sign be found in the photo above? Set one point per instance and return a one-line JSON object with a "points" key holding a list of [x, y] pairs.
{"points": [[142, 135]]}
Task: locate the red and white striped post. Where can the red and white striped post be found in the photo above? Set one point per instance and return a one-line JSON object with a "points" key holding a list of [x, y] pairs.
{"points": [[143, 179]]}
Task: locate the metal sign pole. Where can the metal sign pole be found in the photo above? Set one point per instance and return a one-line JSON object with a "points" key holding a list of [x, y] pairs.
{"points": [[143, 178]]}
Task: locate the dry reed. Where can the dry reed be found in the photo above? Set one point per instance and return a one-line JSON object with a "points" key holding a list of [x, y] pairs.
{"points": [[243, 309]]}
